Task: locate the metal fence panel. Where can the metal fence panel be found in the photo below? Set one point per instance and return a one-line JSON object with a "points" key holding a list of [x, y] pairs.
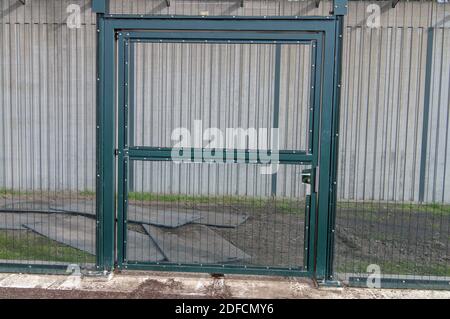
{"points": [[212, 214], [393, 193], [393, 182], [47, 122], [227, 220]]}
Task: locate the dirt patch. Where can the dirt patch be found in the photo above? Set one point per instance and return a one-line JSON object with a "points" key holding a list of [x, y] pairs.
{"points": [[218, 289], [153, 289], [402, 242], [36, 293], [150, 289]]}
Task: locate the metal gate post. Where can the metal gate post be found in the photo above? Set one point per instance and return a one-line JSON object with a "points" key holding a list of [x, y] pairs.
{"points": [[105, 226], [326, 223], [335, 142]]}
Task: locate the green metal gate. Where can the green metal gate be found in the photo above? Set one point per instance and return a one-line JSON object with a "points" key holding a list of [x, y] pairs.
{"points": [[209, 208]]}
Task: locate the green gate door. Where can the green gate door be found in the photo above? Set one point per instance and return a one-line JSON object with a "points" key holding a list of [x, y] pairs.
{"points": [[222, 132]]}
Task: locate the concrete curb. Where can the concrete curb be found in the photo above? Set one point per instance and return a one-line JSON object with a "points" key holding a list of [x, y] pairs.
{"points": [[190, 285]]}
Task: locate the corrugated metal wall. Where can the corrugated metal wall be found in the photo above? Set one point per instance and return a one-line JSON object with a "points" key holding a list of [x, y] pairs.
{"points": [[384, 104], [47, 98], [47, 94]]}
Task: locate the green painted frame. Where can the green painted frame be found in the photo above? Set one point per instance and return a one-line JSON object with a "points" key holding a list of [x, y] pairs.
{"points": [[127, 153], [330, 28]]}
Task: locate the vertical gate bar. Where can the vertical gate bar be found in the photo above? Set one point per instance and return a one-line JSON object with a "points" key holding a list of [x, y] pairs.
{"points": [[316, 89], [312, 92], [122, 87], [311, 248], [105, 145], [130, 120], [100, 76], [426, 113], [317, 56], [335, 142], [306, 233], [276, 107], [325, 158]]}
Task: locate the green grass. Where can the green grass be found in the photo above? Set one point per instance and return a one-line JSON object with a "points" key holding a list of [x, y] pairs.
{"points": [[6, 191], [45, 193], [26, 245], [87, 192], [282, 204], [291, 205], [394, 207], [432, 207]]}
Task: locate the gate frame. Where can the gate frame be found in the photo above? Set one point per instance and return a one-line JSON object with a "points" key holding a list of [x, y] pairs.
{"points": [[106, 107], [127, 153]]}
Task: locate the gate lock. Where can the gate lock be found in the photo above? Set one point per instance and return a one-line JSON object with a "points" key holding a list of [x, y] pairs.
{"points": [[306, 176]]}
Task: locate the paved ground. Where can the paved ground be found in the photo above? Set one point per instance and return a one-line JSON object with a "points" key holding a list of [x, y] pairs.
{"points": [[165, 285]]}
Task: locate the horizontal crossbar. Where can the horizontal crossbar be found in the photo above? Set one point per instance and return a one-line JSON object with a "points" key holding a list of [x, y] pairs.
{"points": [[218, 155]]}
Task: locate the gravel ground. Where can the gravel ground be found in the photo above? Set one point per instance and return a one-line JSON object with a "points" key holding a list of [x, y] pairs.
{"points": [[163, 285]]}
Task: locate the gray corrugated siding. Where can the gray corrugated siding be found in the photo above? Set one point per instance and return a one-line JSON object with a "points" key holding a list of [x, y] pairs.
{"points": [[47, 96], [383, 104]]}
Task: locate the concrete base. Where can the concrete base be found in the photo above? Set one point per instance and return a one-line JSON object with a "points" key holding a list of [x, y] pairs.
{"points": [[189, 285]]}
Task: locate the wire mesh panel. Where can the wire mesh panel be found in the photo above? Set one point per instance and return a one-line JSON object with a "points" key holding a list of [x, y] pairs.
{"points": [[216, 214], [199, 86], [212, 96], [393, 200], [47, 122]]}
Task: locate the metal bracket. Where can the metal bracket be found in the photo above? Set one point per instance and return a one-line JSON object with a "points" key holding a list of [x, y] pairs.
{"points": [[100, 6], [317, 3], [340, 7]]}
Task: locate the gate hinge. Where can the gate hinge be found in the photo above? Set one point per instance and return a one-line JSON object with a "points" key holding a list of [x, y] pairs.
{"points": [[116, 152]]}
